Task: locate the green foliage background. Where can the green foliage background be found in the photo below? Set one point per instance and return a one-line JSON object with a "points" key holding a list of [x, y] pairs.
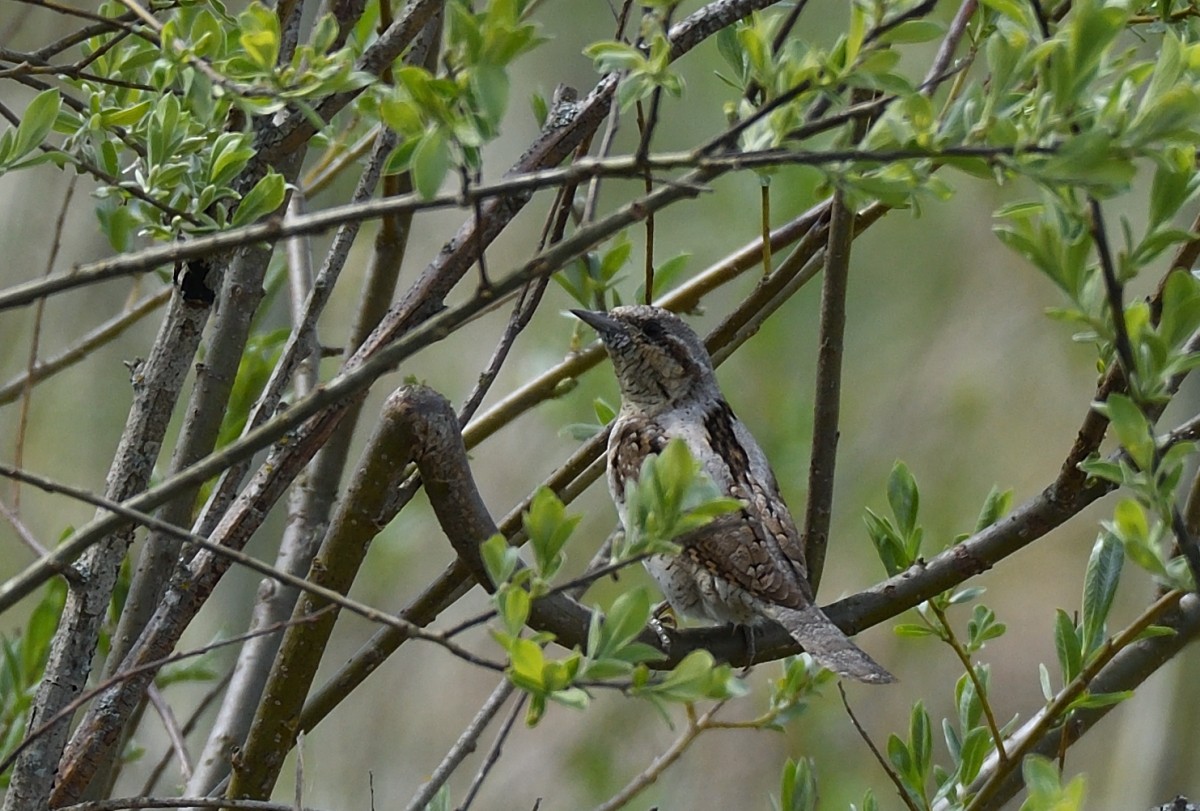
{"points": [[951, 365]]}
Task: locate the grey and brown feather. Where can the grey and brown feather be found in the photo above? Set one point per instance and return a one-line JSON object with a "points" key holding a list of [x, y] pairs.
{"points": [[746, 567]]}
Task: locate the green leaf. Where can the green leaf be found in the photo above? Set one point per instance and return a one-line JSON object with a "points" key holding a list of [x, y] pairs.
{"points": [[913, 629], [1045, 790], [231, 152], [995, 506], [1041, 775], [1132, 428], [39, 631], [1066, 645], [1013, 9], [798, 786], [259, 36], [966, 595], [490, 83], [36, 123], [696, 677], [855, 33], [526, 664], [625, 620], [266, 196], [975, 747], [513, 604], [614, 56], [914, 31], [1044, 679], [499, 559], [548, 528], [1171, 187], [1129, 519], [920, 737], [888, 546], [1099, 587], [430, 162], [899, 755], [1091, 701], [903, 498], [123, 117], [604, 412]]}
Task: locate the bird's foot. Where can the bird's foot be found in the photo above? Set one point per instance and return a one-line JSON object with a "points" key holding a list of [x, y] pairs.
{"points": [[748, 636], [661, 619]]}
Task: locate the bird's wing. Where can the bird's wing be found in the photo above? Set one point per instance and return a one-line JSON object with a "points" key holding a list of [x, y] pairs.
{"points": [[769, 525], [736, 548]]}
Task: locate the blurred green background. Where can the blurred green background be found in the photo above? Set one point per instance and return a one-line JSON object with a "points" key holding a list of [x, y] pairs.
{"points": [[951, 365]]}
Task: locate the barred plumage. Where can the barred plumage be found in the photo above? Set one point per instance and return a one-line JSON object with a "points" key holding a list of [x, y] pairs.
{"points": [[746, 567]]}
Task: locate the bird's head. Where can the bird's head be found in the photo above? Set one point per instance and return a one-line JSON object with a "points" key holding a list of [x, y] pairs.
{"points": [[660, 362]]}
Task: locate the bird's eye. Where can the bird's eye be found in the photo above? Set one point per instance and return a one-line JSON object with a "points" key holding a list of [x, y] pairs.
{"points": [[653, 330]]}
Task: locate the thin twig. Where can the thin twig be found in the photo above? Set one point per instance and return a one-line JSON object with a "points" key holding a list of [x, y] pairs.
{"points": [[182, 802], [201, 708], [81, 349], [569, 587], [1113, 291], [493, 754], [661, 763], [26, 536], [69, 710], [954, 34], [623, 166], [980, 690], [883, 764], [1053, 713], [250, 562], [462, 747], [35, 340], [171, 726]]}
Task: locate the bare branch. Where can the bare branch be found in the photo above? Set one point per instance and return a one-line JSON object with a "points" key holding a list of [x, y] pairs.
{"points": [[462, 747]]}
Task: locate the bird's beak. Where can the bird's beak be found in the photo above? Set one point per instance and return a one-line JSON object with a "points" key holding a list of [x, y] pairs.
{"points": [[603, 323]]}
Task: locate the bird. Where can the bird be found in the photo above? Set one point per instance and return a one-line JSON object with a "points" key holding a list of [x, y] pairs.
{"points": [[746, 567]]}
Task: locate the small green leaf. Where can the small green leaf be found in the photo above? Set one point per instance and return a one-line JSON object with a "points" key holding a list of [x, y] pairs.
{"points": [[548, 528], [1066, 645], [266, 196], [259, 36], [903, 497], [527, 661], [913, 629], [36, 123], [920, 737], [1044, 679], [123, 117], [966, 595], [1013, 9], [614, 56], [513, 604], [490, 83], [430, 162], [995, 506], [975, 747], [605, 413], [499, 559], [1132, 428], [1099, 587], [914, 31], [625, 620], [1091, 701]]}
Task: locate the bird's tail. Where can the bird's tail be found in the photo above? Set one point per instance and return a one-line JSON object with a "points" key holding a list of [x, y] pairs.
{"points": [[828, 645]]}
